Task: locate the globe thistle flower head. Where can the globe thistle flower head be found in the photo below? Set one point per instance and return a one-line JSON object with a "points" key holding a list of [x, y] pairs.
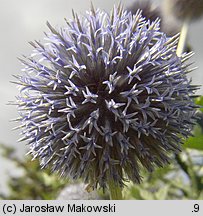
{"points": [[186, 9], [105, 96]]}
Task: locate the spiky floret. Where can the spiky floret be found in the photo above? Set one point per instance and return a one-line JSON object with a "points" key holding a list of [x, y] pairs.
{"points": [[105, 96]]}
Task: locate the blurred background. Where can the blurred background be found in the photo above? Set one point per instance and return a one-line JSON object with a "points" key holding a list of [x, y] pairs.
{"points": [[23, 21]]}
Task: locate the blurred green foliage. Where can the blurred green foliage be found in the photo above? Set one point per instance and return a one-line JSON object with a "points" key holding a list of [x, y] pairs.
{"points": [[182, 179], [199, 101], [35, 183], [196, 141]]}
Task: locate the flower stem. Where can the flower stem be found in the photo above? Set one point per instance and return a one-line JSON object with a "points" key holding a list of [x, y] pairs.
{"points": [[115, 191], [183, 37]]}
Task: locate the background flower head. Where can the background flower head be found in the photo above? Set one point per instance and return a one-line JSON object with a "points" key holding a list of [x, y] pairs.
{"points": [[105, 96], [186, 9], [149, 10]]}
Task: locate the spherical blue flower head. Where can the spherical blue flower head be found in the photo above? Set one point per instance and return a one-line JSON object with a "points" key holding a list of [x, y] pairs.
{"points": [[105, 96]]}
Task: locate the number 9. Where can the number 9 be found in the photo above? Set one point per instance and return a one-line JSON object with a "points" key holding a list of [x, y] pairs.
{"points": [[196, 207]]}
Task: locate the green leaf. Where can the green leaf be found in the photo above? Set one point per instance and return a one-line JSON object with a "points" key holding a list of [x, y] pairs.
{"points": [[162, 193], [135, 193], [194, 142], [199, 101], [146, 195]]}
